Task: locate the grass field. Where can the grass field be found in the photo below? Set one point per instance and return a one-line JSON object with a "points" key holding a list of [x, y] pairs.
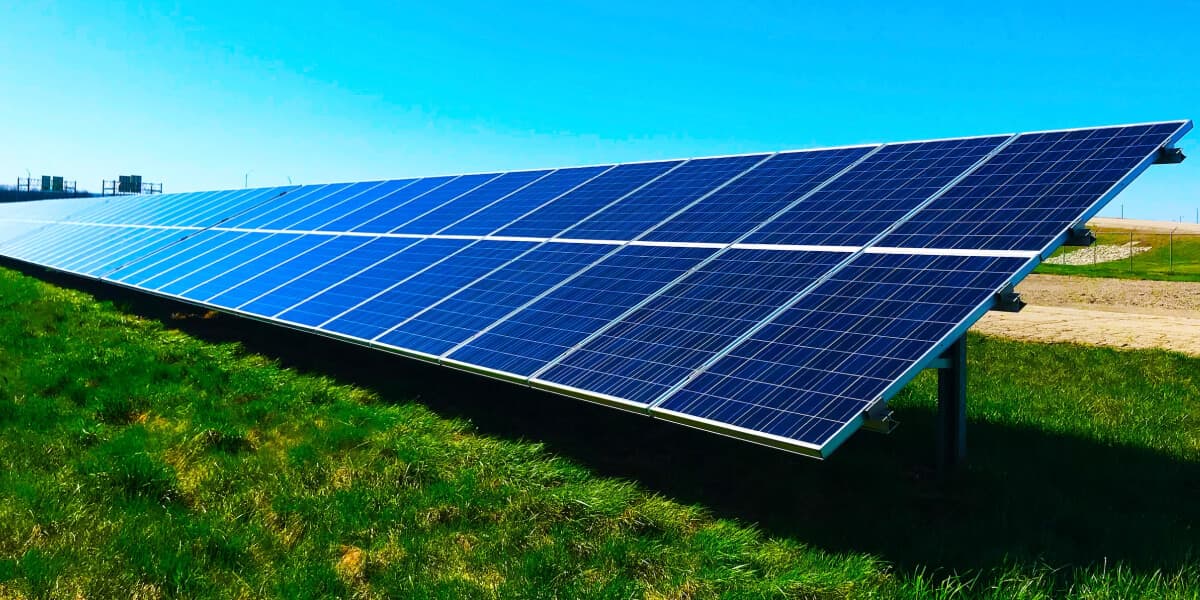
{"points": [[1173, 258], [146, 460]]}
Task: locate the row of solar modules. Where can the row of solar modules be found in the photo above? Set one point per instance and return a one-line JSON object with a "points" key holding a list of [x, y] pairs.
{"points": [[1035, 187], [775, 342]]}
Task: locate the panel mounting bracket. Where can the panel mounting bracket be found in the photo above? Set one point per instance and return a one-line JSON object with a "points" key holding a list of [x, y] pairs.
{"points": [[878, 418], [1168, 155], [1080, 236], [1008, 300]]}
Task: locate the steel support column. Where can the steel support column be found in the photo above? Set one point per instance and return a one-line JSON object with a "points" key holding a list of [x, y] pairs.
{"points": [[952, 407]]}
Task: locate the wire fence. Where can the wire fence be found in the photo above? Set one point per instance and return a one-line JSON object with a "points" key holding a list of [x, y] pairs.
{"points": [[1143, 254]]}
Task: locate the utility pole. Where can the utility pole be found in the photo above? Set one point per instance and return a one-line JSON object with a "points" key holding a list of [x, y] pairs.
{"points": [[246, 178]]}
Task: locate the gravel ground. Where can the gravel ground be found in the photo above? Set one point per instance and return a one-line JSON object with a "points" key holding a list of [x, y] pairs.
{"points": [[1180, 298], [1099, 253], [1121, 313]]}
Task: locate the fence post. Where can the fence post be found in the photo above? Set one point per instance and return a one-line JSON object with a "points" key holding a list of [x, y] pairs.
{"points": [[1171, 254], [1131, 252]]}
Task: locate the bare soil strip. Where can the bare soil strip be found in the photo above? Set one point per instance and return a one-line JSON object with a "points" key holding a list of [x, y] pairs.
{"points": [[1120, 313], [1111, 223]]}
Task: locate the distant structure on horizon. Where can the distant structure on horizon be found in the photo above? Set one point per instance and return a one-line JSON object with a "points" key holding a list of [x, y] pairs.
{"points": [[47, 187], [48, 183], [129, 184]]}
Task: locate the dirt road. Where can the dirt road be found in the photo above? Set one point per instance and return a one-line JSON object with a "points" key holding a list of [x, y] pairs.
{"points": [[1104, 312]]}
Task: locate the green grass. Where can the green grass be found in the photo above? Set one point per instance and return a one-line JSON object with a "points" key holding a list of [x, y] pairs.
{"points": [[1173, 258], [139, 461]]}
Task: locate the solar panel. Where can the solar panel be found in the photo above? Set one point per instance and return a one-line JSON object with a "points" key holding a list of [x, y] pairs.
{"points": [[804, 375], [304, 277], [781, 298], [638, 357]]}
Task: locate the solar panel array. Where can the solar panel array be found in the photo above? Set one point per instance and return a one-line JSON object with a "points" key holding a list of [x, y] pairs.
{"points": [[773, 297]]}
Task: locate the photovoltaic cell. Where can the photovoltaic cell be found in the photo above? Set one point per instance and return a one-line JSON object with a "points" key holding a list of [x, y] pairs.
{"points": [[322, 213], [230, 255], [278, 269], [754, 197], [162, 267], [384, 207], [1033, 190], [96, 259], [865, 201], [208, 214], [290, 207], [137, 210], [414, 293], [242, 265], [478, 305], [502, 213], [643, 209], [361, 284], [661, 343], [159, 240], [418, 206], [553, 324], [42, 243], [289, 285], [567, 211], [819, 364], [494, 191]]}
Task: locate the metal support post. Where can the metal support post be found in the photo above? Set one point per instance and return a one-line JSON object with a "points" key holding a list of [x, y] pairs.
{"points": [[952, 407]]}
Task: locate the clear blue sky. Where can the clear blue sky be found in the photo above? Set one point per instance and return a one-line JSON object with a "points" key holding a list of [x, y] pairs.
{"points": [[197, 94]]}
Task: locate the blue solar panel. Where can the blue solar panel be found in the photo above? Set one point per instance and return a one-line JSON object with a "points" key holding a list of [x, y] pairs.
{"points": [[359, 286], [94, 258], [291, 283], [645, 208], [417, 207], [864, 202], [494, 191], [819, 364], [70, 247], [222, 257], [737, 208], [322, 213], [40, 242], [65, 209], [381, 207], [143, 210], [552, 325], [474, 307], [567, 211], [245, 263], [159, 240], [408, 296], [11, 234], [296, 204], [162, 267], [523, 201], [210, 213], [45, 244], [1034, 189], [642, 355], [275, 269]]}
